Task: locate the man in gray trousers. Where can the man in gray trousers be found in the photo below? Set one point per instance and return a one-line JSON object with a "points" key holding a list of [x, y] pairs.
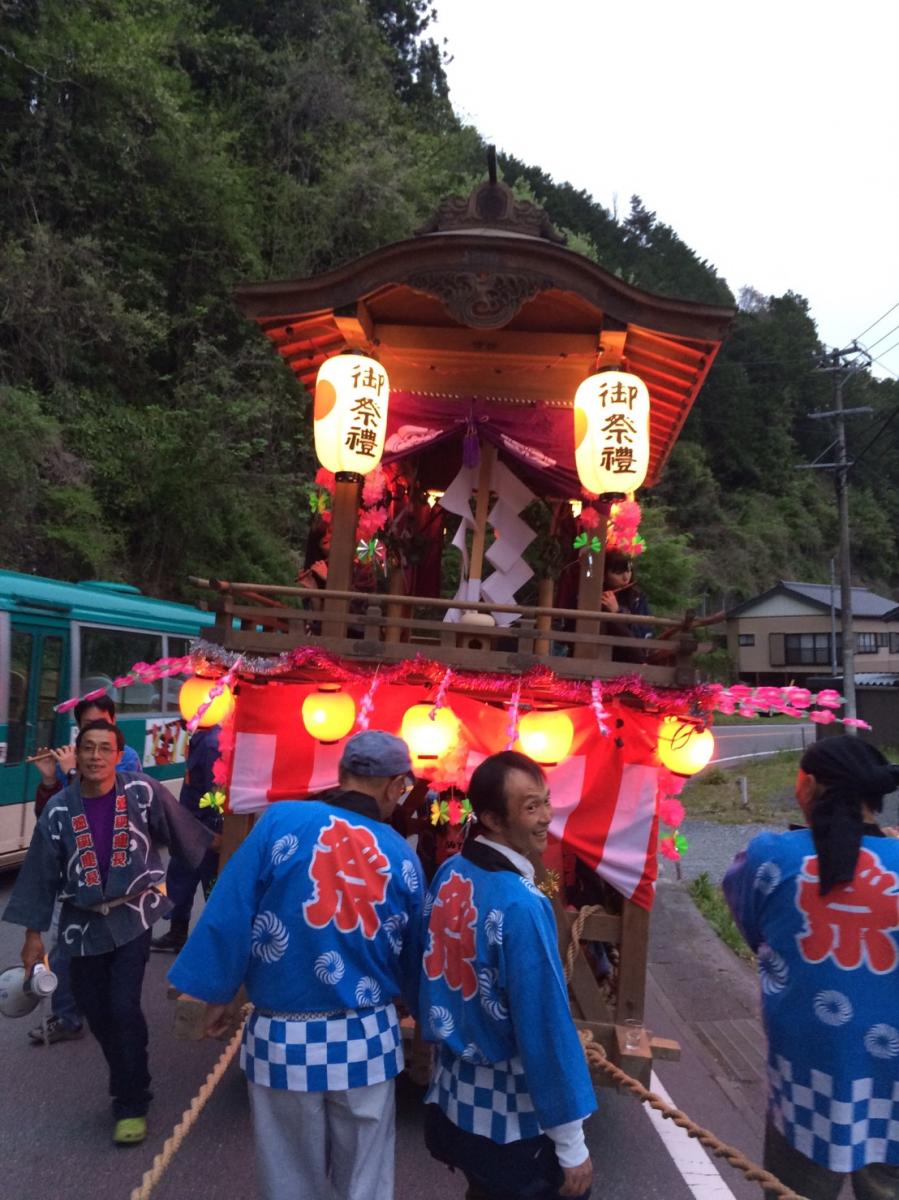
{"points": [[320, 915]]}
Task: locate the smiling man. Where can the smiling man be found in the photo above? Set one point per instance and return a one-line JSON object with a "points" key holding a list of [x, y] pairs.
{"points": [[510, 1088], [96, 846]]}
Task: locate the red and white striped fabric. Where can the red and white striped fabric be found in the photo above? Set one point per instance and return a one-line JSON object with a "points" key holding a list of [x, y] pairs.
{"points": [[603, 794]]}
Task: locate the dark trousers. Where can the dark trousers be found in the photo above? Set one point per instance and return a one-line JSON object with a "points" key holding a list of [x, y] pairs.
{"points": [[877, 1181], [181, 883], [107, 989], [525, 1170]]}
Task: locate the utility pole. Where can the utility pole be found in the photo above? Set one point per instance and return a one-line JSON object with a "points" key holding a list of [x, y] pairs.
{"points": [[841, 368]]}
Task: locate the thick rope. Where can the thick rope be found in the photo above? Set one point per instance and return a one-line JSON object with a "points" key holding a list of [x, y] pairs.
{"points": [[596, 1057], [191, 1113]]}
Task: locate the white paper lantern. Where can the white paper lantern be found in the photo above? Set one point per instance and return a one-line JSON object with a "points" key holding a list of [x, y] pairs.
{"points": [[350, 413], [611, 432]]}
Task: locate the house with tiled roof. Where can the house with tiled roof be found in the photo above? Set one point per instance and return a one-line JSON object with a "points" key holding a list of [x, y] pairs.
{"points": [[787, 633]]}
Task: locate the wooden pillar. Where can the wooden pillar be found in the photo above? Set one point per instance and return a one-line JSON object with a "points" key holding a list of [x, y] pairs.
{"points": [[544, 600], [396, 586], [235, 827], [633, 957], [589, 592], [343, 549], [479, 538]]}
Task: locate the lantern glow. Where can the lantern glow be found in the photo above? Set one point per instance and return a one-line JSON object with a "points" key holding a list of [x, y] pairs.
{"points": [[195, 692], [684, 747], [350, 413], [546, 736], [611, 432], [429, 740], [328, 714]]}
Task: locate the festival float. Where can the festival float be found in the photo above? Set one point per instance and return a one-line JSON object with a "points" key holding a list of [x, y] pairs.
{"points": [[487, 404]]}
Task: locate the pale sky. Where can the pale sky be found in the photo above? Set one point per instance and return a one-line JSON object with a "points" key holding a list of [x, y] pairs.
{"points": [[765, 134]]}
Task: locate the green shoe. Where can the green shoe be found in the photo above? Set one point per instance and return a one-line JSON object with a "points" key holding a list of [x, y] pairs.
{"points": [[129, 1131]]}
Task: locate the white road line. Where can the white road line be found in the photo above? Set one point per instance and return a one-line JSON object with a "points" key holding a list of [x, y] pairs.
{"points": [[698, 1171]]}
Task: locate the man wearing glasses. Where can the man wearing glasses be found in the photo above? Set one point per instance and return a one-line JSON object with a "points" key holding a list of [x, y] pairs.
{"points": [[96, 845], [319, 914]]}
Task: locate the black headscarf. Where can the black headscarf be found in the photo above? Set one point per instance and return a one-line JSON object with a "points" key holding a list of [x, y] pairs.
{"points": [[852, 773]]}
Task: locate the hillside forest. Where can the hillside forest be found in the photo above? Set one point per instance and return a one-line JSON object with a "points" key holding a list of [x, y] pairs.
{"points": [[153, 153]]}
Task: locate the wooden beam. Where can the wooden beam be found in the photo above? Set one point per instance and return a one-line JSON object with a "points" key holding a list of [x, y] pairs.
{"points": [[479, 536], [633, 957]]}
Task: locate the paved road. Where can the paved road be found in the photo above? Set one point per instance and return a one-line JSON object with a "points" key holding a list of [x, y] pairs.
{"points": [[760, 737], [55, 1124]]}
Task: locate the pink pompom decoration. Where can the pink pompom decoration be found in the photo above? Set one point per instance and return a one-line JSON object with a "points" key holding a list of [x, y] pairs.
{"points": [[671, 812], [325, 479], [374, 487], [669, 784], [589, 518], [799, 697], [855, 723], [668, 849], [745, 710], [828, 698], [822, 716], [370, 522]]}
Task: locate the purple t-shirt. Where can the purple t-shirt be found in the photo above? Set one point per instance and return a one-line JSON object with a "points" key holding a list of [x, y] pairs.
{"points": [[100, 813]]}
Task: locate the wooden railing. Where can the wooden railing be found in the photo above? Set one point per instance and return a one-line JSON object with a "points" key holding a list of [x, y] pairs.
{"points": [[269, 618]]}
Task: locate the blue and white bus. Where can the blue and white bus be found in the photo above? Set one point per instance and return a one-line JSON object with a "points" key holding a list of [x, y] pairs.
{"points": [[64, 639]]}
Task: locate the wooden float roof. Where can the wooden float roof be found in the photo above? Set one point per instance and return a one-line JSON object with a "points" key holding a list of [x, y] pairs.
{"points": [[486, 302]]}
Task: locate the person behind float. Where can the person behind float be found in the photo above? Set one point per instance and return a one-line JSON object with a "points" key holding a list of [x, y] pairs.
{"points": [[620, 594], [97, 845], [57, 768], [319, 914], [181, 879], [510, 1087], [820, 908]]}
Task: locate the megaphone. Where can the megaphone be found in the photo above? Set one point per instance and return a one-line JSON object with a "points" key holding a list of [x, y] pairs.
{"points": [[20, 995]]}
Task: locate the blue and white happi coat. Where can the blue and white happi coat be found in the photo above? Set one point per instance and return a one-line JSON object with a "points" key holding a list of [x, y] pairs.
{"points": [[320, 915], [493, 997], [829, 971], [62, 861]]}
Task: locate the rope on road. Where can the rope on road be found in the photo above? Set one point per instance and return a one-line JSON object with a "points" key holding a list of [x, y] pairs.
{"points": [[190, 1114], [596, 1057]]}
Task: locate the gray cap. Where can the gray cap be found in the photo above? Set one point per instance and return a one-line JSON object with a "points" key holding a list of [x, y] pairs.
{"points": [[377, 754]]}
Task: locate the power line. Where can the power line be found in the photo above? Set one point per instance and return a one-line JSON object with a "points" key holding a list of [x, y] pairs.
{"points": [[883, 339], [877, 322]]}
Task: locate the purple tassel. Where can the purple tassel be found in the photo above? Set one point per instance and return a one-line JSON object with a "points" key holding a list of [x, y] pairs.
{"points": [[471, 447]]}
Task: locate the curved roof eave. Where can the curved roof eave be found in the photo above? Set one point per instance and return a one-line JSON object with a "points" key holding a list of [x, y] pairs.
{"points": [[488, 250]]}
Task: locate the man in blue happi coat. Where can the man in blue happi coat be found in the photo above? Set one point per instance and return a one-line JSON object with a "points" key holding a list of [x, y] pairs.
{"points": [[820, 908], [319, 915], [510, 1088], [96, 846]]}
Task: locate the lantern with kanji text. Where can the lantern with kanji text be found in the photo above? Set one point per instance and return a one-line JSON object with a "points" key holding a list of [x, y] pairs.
{"points": [[611, 432], [350, 413]]}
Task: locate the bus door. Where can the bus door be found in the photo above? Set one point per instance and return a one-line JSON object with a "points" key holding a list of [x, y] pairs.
{"points": [[36, 666]]}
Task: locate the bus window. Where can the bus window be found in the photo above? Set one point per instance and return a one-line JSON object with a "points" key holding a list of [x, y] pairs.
{"points": [[106, 653], [178, 647], [21, 646], [48, 690]]}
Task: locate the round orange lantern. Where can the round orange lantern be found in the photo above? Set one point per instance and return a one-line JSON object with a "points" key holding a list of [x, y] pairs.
{"points": [[194, 694], [328, 714], [611, 432], [350, 413], [545, 735], [684, 746], [428, 740]]}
